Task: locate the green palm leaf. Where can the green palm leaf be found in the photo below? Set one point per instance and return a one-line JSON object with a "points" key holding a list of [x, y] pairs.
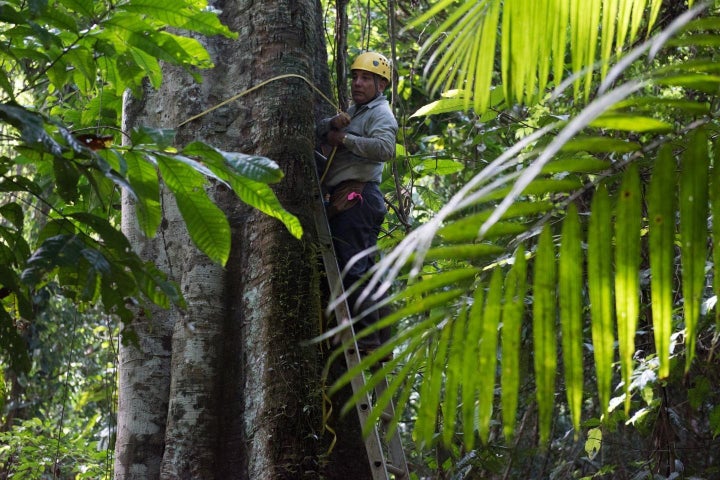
{"points": [[487, 356], [570, 284], [693, 198], [513, 311], [661, 213], [627, 275], [534, 39], [545, 350], [471, 380], [601, 294]]}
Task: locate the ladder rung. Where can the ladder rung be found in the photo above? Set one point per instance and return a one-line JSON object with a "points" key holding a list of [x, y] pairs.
{"points": [[397, 471]]}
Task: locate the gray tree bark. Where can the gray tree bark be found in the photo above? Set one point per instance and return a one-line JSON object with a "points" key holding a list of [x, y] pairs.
{"points": [[226, 388]]}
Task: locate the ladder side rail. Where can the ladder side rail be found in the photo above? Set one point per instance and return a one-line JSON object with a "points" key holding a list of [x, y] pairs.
{"points": [[396, 452], [373, 445]]}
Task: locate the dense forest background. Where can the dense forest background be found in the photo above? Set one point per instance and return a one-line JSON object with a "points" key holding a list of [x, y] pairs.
{"points": [[549, 247]]}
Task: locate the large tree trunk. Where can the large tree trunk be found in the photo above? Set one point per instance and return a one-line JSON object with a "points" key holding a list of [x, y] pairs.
{"points": [[225, 388]]}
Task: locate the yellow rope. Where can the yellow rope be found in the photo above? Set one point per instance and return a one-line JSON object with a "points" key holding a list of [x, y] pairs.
{"points": [[327, 165], [252, 89]]}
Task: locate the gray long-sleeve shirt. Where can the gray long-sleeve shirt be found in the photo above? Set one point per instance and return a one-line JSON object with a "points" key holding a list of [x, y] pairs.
{"points": [[370, 142]]}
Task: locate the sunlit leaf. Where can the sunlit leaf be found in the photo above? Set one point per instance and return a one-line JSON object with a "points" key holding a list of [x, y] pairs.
{"points": [[444, 105], [167, 12], [570, 285], [544, 336], [631, 123], [627, 275], [693, 200], [206, 223], [143, 177], [661, 215], [599, 259]]}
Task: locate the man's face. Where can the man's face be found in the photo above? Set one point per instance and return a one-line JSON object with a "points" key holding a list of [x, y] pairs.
{"points": [[363, 86]]}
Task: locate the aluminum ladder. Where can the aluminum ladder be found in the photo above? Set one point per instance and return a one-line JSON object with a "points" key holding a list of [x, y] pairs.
{"points": [[383, 466]]}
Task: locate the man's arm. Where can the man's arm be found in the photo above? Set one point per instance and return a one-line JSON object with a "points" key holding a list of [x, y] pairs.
{"points": [[379, 144]]}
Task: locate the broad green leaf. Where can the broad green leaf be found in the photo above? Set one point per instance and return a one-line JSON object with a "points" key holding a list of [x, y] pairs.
{"points": [[693, 199], [149, 64], [600, 287], [206, 223], [631, 123], [31, 127], [175, 14], [570, 285], [143, 177], [600, 145], [437, 166], [444, 105], [593, 444], [171, 48], [259, 195], [54, 252], [254, 167], [86, 8], [155, 285], [487, 355], [66, 179], [513, 312], [59, 18], [544, 315], [13, 213], [661, 215], [628, 218], [82, 61], [152, 137]]}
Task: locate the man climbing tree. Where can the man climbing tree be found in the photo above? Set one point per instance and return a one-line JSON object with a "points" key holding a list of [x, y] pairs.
{"points": [[362, 140]]}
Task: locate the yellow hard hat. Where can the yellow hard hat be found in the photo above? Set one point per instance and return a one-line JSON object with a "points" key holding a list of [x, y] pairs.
{"points": [[375, 63]]}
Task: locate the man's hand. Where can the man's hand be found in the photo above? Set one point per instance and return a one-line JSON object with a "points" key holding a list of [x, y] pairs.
{"points": [[340, 121], [335, 138]]}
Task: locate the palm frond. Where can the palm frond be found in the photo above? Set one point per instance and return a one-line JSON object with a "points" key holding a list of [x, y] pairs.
{"points": [[534, 39]]}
